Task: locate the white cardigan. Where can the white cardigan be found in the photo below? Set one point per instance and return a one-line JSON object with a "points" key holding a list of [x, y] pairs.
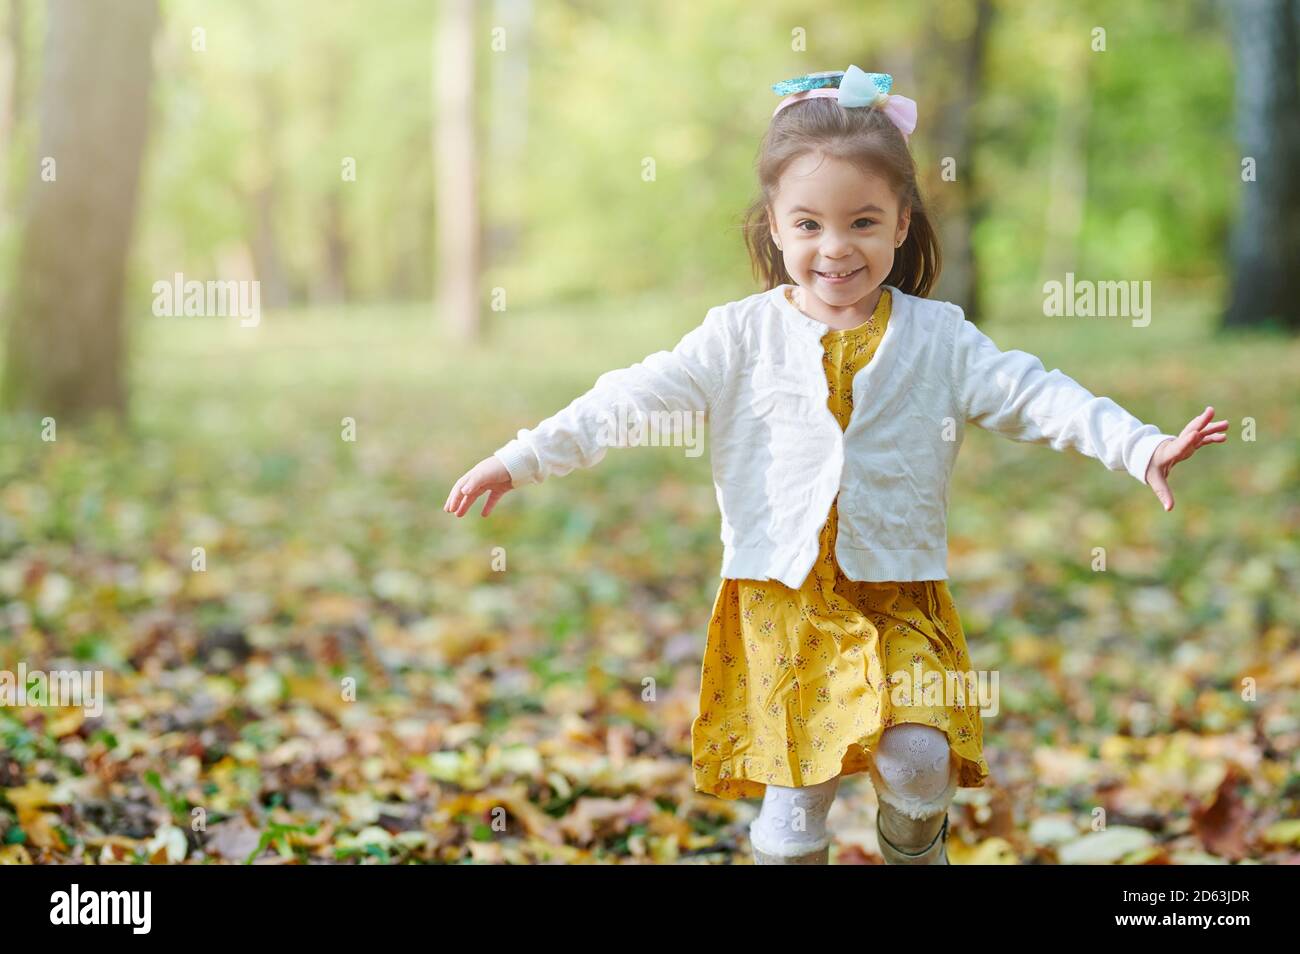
{"points": [[753, 369]]}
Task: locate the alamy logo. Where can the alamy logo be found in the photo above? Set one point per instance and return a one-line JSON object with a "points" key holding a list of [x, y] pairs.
{"points": [[948, 689], [61, 687], [630, 427], [103, 907], [1089, 299], [179, 298]]}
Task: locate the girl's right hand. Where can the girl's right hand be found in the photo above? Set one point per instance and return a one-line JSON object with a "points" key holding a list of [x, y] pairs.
{"points": [[488, 474]]}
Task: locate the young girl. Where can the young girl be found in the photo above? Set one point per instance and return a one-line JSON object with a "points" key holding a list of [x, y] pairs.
{"points": [[836, 401]]}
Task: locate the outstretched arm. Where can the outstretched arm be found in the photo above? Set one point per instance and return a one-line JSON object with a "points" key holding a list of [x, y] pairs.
{"points": [[686, 379], [1010, 393]]}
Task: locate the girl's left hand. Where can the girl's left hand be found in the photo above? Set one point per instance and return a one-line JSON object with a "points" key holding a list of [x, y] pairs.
{"points": [[1197, 432]]}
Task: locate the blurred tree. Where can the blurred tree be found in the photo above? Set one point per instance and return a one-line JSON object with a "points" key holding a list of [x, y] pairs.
{"points": [[333, 285], [11, 72], [13, 103], [455, 161], [1067, 195], [66, 349], [267, 258], [507, 159], [954, 136], [625, 185], [1266, 240]]}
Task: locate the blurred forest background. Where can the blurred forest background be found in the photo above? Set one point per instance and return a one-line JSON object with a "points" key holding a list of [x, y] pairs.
{"points": [[459, 214]]}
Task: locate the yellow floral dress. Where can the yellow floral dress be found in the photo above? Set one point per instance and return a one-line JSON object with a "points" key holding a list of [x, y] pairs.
{"points": [[798, 685]]}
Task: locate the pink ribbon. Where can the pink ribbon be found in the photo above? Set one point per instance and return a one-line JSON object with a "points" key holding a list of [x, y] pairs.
{"points": [[900, 110]]}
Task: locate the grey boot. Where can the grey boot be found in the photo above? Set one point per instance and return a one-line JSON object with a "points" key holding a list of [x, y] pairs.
{"points": [[913, 831], [911, 841], [821, 856]]}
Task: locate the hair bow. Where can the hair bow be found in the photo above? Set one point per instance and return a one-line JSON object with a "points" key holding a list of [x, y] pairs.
{"points": [[852, 88]]}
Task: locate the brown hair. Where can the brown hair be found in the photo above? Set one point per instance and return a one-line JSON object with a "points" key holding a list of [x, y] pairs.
{"points": [[866, 137]]}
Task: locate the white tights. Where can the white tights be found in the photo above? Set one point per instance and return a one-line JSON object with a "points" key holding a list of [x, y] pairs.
{"points": [[792, 821], [911, 770]]}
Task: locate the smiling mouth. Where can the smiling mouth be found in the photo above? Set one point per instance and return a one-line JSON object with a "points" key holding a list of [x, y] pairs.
{"points": [[839, 274]]}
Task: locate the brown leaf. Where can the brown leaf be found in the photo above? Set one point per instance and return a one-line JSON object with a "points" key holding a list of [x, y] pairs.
{"points": [[233, 839], [1221, 824], [607, 815]]}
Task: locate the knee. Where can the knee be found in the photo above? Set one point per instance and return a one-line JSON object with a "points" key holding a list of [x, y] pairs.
{"points": [[914, 761]]}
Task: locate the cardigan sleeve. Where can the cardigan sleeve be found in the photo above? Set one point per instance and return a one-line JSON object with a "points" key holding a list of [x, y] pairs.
{"points": [[686, 380], [1009, 393]]}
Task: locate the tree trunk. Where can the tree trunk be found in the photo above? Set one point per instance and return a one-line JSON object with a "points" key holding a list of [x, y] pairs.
{"points": [[11, 73], [1067, 190], [1265, 246], [67, 349], [333, 288], [267, 259], [956, 136], [508, 130], [13, 97], [335, 252], [459, 253]]}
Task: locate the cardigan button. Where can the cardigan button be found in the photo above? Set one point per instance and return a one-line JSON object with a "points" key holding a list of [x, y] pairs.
{"points": [[850, 507]]}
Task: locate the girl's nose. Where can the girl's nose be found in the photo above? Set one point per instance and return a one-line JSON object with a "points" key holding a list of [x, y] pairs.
{"points": [[835, 246]]}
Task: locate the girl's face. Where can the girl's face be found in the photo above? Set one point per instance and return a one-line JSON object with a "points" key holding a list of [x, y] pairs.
{"points": [[829, 216]]}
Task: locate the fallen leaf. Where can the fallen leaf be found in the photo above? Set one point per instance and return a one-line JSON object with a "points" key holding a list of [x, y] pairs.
{"points": [[14, 855], [1221, 825], [233, 838], [1104, 847]]}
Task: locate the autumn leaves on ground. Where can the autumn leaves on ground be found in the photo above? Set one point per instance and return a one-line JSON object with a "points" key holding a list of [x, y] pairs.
{"points": [[355, 676]]}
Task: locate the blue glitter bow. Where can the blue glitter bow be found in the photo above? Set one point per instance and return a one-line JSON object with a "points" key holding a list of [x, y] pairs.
{"points": [[857, 88], [850, 88]]}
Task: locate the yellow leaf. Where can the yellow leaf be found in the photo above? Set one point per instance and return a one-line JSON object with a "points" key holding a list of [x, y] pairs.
{"points": [[66, 722], [41, 831], [1283, 832], [14, 855], [29, 799], [323, 694], [535, 821], [335, 609], [990, 851]]}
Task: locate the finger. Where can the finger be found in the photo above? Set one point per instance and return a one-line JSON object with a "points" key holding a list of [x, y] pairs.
{"points": [[1161, 488], [458, 505], [1208, 433], [450, 505], [1203, 439], [1196, 423], [1216, 432], [493, 497], [469, 493]]}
